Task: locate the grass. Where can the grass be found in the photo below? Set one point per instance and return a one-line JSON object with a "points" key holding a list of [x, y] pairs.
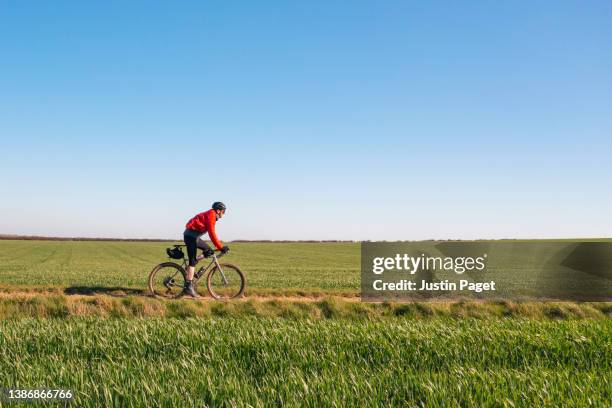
{"points": [[73, 315], [22, 305], [330, 266], [272, 362]]}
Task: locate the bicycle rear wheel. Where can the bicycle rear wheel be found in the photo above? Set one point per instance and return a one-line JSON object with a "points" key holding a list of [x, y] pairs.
{"points": [[226, 283], [166, 280]]}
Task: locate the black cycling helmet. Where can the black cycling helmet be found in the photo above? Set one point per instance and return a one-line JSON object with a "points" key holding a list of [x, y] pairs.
{"points": [[218, 205]]}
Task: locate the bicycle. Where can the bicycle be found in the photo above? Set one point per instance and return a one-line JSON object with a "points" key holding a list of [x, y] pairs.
{"points": [[224, 281]]}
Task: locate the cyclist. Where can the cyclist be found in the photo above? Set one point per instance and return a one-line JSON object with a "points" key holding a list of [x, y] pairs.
{"points": [[196, 227]]}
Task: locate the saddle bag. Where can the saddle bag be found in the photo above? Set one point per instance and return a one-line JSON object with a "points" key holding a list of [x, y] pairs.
{"points": [[175, 253]]}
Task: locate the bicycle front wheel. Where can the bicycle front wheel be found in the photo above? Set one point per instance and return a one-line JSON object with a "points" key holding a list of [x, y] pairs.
{"points": [[225, 283], [166, 280]]}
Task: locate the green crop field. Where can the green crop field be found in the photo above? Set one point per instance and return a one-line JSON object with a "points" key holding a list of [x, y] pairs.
{"points": [[274, 362], [333, 266], [75, 315]]}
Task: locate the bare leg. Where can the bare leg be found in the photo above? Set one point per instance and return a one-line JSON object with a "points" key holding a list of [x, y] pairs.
{"points": [[189, 273]]}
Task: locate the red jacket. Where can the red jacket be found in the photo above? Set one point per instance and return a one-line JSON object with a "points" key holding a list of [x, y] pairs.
{"points": [[205, 222]]}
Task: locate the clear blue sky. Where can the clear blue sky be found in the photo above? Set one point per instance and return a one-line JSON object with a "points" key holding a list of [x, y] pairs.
{"points": [[311, 120]]}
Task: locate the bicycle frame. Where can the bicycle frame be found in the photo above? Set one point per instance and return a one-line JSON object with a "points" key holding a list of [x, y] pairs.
{"points": [[214, 261]]}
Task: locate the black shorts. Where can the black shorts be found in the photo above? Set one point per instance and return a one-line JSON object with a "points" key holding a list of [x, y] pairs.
{"points": [[194, 241]]}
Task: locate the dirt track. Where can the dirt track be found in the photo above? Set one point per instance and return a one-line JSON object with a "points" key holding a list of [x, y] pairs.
{"points": [[20, 294], [84, 292]]}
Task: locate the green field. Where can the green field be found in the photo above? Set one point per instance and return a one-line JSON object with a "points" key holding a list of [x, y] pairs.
{"points": [[264, 362], [74, 315], [330, 266]]}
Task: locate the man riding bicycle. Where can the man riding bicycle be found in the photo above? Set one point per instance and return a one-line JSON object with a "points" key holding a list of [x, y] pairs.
{"points": [[199, 225]]}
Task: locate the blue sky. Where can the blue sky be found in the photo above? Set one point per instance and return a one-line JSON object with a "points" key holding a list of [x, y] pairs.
{"points": [[311, 120]]}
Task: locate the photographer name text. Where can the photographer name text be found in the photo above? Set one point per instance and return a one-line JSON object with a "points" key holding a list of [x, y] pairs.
{"points": [[409, 285]]}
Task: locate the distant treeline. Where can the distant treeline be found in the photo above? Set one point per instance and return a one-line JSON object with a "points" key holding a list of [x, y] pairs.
{"points": [[39, 238], [287, 241], [277, 241]]}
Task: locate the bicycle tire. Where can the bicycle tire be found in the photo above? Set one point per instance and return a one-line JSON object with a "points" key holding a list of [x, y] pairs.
{"points": [[168, 266], [216, 294]]}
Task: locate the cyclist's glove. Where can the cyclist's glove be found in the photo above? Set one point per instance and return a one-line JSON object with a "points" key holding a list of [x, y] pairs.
{"points": [[225, 250]]}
